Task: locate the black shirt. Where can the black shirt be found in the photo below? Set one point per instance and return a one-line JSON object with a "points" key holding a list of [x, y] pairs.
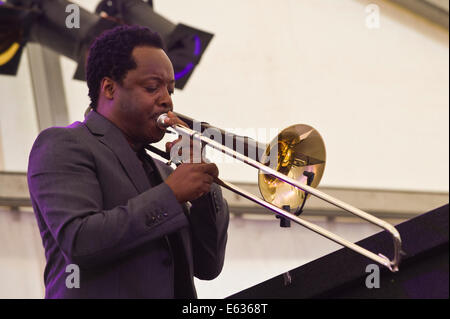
{"points": [[182, 282]]}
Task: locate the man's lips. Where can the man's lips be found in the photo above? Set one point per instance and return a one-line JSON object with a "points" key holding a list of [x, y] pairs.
{"points": [[155, 116]]}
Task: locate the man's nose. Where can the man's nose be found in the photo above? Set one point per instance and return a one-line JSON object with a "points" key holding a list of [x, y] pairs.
{"points": [[166, 101]]}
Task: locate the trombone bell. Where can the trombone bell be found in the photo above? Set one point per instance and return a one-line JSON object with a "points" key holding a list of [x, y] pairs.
{"points": [[301, 156]]}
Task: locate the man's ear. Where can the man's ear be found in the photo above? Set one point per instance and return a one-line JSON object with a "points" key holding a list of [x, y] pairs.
{"points": [[107, 87]]}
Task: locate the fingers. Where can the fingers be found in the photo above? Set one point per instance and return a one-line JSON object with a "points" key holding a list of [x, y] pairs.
{"points": [[173, 119], [206, 187], [191, 181], [210, 169], [190, 151], [208, 179], [207, 172], [169, 145]]}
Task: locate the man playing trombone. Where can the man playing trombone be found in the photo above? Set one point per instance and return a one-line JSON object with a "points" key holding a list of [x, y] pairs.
{"points": [[135, 227]]}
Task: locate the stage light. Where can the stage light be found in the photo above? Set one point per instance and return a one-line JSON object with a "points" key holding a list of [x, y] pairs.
{"points": [[44, 22], [15, 25]]}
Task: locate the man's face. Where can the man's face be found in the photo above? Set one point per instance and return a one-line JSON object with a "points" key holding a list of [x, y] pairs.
{"points": [[144, 95]]}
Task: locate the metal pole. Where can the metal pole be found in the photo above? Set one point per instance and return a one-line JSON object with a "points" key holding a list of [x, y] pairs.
{"points": [[48, 87]]}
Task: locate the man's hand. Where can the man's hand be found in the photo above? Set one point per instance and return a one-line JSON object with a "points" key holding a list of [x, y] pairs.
{"points": [[194, 147], [191, 181], [172, 119]]}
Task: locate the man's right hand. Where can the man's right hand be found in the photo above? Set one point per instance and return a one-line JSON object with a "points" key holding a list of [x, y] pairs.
{"points": [[191, 181]]}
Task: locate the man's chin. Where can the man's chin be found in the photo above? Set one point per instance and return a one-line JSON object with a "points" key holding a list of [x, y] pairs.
{"points": [[155, 138]]}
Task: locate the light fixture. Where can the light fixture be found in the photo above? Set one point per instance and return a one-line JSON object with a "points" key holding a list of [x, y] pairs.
{"points": [[44, 22]]}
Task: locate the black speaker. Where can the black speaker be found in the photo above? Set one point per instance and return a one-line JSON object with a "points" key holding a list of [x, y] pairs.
{"points": [[424, 270]]}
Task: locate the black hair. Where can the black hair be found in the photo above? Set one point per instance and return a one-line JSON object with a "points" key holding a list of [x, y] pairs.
{"points": [[110, 55]]}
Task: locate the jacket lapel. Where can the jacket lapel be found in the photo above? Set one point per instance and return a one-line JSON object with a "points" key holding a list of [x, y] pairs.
{"points": [[112, 137]]}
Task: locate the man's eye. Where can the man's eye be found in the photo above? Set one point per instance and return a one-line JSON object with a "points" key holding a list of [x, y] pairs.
{"points": [[151, 89]]}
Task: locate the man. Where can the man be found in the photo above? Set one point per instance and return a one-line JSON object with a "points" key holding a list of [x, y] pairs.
{"points": [[103, 204]]}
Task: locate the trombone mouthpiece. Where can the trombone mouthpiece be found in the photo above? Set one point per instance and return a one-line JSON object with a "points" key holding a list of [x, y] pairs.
{"points": [[161, 119]]}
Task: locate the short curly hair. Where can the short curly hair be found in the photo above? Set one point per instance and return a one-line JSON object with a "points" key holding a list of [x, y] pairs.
{"points": [[110, 55]]}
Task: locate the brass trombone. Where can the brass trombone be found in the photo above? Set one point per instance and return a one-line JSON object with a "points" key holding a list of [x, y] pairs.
{"points": [[300, 151]]}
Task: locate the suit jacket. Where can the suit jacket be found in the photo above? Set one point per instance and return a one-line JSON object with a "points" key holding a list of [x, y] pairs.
{"points": [[95, 209]]}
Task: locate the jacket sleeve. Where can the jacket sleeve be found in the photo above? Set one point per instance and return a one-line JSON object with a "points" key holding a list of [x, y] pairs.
{"points": [[209, 218], [66, 193]]}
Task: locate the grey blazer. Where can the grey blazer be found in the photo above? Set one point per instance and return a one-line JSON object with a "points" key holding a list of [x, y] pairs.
{"points": [[95, 208]]}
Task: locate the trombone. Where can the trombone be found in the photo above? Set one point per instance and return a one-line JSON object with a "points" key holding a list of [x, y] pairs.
{"points": [[300, 153]]}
